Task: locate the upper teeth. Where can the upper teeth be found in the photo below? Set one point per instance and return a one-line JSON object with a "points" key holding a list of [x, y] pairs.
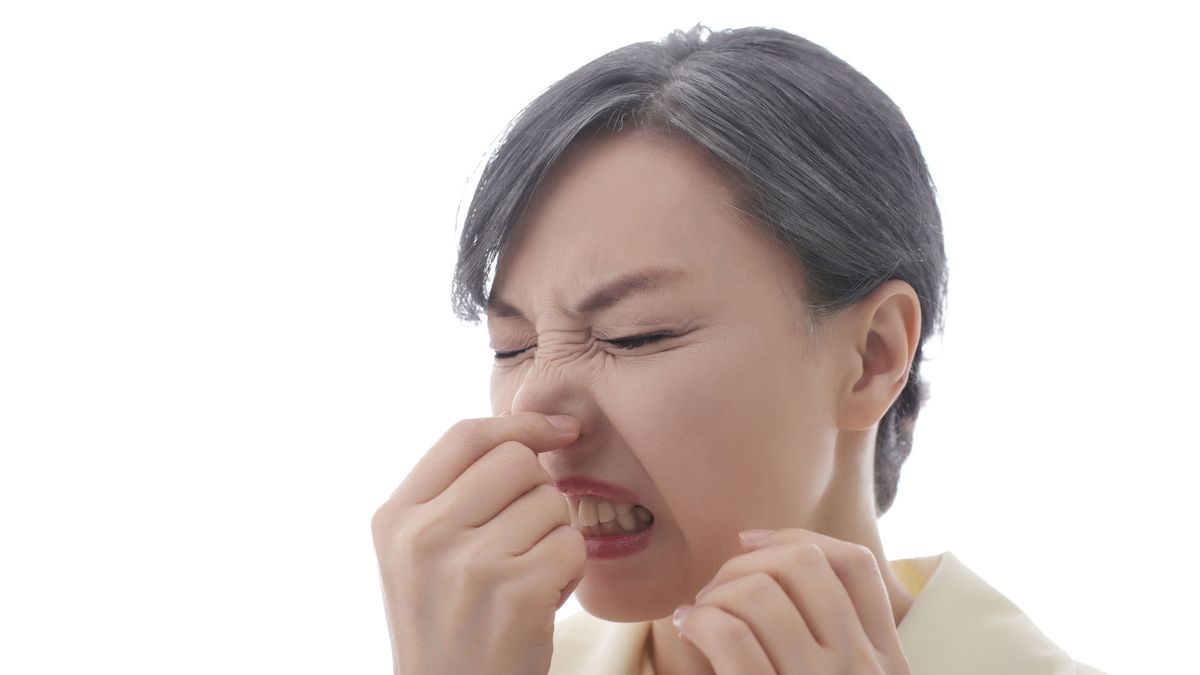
{"points": [[595, 512]]}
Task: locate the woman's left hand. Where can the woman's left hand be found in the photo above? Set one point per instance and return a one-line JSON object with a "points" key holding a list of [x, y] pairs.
{"points": [[797, 602]]}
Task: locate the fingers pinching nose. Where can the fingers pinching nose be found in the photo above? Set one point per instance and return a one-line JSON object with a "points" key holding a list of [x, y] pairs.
{"points": [[563, 423]]}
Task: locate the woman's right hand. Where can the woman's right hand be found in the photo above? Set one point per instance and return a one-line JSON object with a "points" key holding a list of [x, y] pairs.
{"points": [[477, 552]]}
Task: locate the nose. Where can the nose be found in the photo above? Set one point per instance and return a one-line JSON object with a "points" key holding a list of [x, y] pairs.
{"points": [[550, 388], [549, 392]]}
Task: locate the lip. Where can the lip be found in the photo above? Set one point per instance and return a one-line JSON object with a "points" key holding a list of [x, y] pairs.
{"points": [[584, 486], [609, 546], [613, 546]]}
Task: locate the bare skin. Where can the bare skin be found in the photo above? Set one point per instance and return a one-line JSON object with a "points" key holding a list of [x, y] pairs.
{"points": [[476, 549], [847, 514], [740, 419]]}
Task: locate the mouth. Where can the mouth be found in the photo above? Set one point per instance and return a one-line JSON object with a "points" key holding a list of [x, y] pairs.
{"points": [[600, 509], [595, 517]]}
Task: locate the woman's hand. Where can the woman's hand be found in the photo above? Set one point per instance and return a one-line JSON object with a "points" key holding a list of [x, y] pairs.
{"points": [[797, 602], [476, 551]]}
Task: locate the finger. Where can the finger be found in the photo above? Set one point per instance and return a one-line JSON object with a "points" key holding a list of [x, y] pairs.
{"points": [[858, 570], [759, 601], [524, 522], [804, 573], [535, 521], [560, 555], [468, 440], [491, 484], [725, 640]]}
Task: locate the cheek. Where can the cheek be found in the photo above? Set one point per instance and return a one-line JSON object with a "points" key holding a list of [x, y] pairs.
{"points": [[709, 407], [691, 421], [719, 426], [664, 406], [502, 390]]}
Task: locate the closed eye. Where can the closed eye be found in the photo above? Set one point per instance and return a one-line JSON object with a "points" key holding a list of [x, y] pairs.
{"points": [[632, 342], [509, 355], [636, 341]]}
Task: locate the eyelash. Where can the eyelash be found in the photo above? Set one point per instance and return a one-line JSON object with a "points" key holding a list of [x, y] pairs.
{"points": [[632, 342]]}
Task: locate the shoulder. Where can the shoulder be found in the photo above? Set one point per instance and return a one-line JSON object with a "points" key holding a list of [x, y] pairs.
{"points": [[960, 623]]}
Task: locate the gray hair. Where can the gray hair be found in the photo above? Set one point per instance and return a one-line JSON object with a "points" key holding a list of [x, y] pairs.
{"points": [[814, 150]]}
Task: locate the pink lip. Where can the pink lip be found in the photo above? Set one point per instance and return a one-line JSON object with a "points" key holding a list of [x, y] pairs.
{"points": [[612, 546], [582, 486]]}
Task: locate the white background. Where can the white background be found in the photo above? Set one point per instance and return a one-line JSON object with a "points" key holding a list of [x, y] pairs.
{"points": [[227, 232]]}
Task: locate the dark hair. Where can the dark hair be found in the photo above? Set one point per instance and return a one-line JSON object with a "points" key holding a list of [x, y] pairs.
{"points": [[816, 153]]}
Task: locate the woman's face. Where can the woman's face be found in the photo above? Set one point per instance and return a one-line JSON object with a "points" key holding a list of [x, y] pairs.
{"points": [[725, 426]]}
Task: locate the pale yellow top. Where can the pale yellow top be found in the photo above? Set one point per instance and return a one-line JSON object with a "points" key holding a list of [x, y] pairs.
{"points": [[957, 625]]}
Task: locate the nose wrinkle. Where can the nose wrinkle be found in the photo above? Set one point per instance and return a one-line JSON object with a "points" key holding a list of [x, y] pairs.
{"points": [[558, 369], [566, 350], [554, 361]]}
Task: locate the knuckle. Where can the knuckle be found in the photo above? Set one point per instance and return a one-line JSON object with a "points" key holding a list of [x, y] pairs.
{"points": [[760, 585], [390, 526], [423, 533], [572, 539], [407, 549], [565, 547], [730, 631], [863, 559], [477, 567], [519, 463], [731, 569], [514, 451], [722, 627], [549, 492], [808, 553], [420, 538], [381, 522], [545, 492], [465, 430]]}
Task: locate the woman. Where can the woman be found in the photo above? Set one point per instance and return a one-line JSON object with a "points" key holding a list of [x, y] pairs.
{"points": [[717, 258]]}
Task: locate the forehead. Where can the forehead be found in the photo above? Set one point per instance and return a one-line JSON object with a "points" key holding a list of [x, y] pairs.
{"points": [[620, 203]]}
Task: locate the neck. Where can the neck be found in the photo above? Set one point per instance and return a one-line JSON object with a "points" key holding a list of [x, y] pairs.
{"points": [[847, 512]]}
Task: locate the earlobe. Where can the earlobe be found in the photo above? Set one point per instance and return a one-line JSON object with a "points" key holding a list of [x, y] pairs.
{"points": [[885, 328]]}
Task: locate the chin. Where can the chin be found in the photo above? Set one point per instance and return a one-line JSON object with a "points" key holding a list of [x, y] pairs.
{"points": [[626, 604]]}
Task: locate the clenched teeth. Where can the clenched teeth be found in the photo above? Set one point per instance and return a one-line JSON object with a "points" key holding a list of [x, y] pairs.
{"points": [[597, 517]]}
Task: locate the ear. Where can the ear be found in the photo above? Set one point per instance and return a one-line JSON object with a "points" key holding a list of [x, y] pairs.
{"points": [[883, 331]]}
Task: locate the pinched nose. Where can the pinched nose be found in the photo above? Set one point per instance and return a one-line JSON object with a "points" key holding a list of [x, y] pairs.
{"points": [[551, 396]]}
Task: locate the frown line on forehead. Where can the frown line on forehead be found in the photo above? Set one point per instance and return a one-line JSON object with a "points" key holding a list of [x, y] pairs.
{"points": [[608, 294]]}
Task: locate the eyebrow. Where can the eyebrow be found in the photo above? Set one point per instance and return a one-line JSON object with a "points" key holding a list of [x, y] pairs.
{"points": [[609, 294]]}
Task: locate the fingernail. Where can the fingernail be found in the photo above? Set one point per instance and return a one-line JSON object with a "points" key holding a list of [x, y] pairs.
{"points": [[563, 423], [704, 590], [751, 536], [680, 614]]}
